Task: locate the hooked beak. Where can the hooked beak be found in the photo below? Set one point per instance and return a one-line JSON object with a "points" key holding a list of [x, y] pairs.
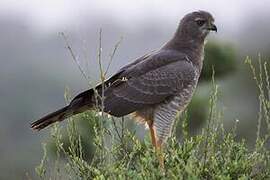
{"points": [[212, 27]]}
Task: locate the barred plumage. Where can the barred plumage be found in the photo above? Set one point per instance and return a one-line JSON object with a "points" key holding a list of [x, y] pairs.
{"points": [[165, 114]]}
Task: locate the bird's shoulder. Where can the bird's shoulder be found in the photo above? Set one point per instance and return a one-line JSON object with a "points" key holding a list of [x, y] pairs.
{"points": [[153, 61]]}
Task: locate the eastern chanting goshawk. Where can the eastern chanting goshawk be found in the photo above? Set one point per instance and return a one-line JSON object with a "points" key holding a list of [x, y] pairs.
{"points": [[153, 88]]}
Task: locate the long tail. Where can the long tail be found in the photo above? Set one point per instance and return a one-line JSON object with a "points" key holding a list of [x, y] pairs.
{"points": [[59, 115], [80, 103]]}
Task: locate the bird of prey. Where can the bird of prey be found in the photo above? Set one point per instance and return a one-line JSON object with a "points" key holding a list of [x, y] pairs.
{"points": [[153, 88]]}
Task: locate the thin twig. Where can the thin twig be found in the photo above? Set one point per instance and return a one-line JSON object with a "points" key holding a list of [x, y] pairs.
{"points": [[112, 55], [116, 128], [210, 118], [74, 56], [101, 72], [122, 126]]}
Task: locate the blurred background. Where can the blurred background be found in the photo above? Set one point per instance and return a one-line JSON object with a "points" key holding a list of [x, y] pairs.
{"points": [[36, 67]]}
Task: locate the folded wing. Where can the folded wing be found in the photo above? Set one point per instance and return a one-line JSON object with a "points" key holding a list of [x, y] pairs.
{"points": [[147, 83]]}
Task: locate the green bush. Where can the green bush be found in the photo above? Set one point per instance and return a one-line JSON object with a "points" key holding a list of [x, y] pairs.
{"points": [[221, 57], [117, 153]]}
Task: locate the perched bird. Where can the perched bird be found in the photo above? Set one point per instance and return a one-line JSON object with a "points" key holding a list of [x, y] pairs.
{"points": [[153, 88]]}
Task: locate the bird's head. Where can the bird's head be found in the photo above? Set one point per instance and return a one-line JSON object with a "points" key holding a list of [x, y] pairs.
{"points": [[197, 25]]}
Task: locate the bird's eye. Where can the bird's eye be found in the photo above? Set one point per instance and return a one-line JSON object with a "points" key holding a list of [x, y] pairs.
{"points": [[200, 22]]}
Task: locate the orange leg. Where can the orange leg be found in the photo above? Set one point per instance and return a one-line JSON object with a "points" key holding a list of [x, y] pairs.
{"points": [[157, 144], [160, 154]]}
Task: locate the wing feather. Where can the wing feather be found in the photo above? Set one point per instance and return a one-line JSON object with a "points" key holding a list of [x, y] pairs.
{"points": [[148, 83]]}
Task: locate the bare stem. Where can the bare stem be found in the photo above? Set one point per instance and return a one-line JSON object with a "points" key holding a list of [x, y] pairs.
{"points": [[112, 55], [72, 53]]}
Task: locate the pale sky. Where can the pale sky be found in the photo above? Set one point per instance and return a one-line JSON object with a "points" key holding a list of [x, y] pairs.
{"points": [[54, 14]]}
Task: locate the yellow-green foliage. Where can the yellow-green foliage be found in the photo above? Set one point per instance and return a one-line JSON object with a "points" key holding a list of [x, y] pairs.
{"points": [[117, 153]]}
